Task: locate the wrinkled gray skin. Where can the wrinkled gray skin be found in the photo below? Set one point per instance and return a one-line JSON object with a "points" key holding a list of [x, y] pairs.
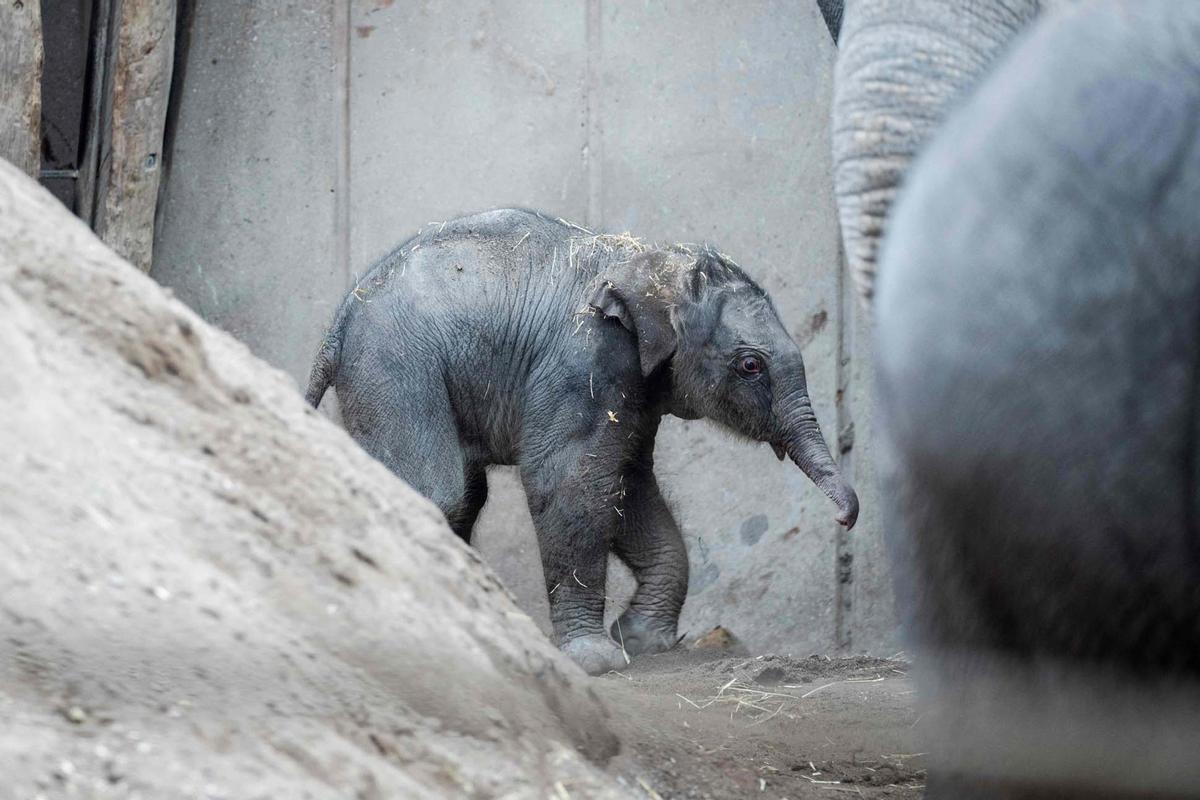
{"points": [[1038, 314], [902, 65], [509, 338]]}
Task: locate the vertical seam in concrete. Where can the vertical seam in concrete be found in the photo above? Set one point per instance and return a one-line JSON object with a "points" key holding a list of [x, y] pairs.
{"points": [[341, 192], [594, 145], [844, 552]]}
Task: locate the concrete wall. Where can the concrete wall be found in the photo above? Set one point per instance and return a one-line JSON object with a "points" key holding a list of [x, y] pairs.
{"points": [[312, 139]]}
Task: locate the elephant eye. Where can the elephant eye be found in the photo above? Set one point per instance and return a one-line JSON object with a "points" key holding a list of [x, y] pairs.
{"points": [[749, 365]]}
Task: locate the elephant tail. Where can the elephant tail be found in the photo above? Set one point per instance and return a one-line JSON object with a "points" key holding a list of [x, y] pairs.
{"points": [[325, 365]]}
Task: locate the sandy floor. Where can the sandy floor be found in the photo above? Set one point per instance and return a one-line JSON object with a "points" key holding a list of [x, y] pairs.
{"points": [[696, 724]]}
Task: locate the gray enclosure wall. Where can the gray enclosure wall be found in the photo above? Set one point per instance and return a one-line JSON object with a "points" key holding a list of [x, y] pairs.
{"points": [[313, 136]]}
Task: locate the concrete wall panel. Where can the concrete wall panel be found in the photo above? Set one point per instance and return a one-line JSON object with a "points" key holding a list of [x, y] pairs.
{"points": [[248, 234], [461, 106]]}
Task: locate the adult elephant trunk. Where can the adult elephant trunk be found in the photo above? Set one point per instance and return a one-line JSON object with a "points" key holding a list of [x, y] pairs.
{"points": [[901, 65], [801, 439]]}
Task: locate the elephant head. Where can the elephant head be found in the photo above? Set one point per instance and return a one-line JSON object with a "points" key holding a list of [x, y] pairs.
{"points": [[730, 358], [902, 65]]}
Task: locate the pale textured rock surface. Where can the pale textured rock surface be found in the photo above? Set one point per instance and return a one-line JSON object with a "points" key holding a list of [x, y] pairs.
{"points": [[206, 590]]}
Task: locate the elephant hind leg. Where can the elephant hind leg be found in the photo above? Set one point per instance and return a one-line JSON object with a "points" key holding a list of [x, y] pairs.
{"points": [[411, 429], [649, 542], [462, 514]]}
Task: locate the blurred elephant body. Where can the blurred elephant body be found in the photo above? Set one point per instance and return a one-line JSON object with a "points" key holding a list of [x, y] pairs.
{"points": [[1038, 312]]}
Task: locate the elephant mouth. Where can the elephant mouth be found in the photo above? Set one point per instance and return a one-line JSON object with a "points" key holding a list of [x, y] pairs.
{"points": [[780, 452]]}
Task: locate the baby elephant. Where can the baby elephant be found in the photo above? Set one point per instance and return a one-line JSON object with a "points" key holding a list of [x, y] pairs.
{"points": [[510, 338]]}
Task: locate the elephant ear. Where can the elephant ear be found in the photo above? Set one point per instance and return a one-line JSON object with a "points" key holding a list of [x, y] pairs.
{"points": [[644, 314]]}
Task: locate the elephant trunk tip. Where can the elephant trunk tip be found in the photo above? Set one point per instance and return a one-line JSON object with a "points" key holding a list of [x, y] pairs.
{"points": [[847, 508], [810, 454]]}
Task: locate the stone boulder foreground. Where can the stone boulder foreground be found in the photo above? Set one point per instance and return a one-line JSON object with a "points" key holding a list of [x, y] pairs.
{"points": [[208, 591]]}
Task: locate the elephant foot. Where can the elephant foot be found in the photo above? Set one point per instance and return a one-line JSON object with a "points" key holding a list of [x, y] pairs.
{"points": [[641, 634], [596, 654]]}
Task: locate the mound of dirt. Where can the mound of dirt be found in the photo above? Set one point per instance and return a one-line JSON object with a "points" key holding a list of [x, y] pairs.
{"points": [[208, 591]]}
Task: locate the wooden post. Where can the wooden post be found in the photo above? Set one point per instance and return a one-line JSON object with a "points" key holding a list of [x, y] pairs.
{"points": [[21, 84], [141, 83]]}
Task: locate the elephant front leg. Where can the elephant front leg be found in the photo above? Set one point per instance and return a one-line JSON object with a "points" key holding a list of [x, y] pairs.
{"points": [[650, 543], [574, 518]]}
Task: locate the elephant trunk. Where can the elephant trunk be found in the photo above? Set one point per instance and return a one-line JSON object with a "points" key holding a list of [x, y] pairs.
{"points": [[901, 66], [802, 441]]}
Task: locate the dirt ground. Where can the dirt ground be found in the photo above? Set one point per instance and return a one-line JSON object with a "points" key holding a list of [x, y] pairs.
{"points": [[704, 724]]}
